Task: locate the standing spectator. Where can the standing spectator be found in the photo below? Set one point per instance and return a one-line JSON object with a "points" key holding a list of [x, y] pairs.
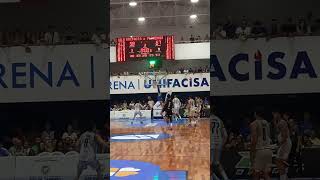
{"points": [[219, 33], [230, 28], [243, 32], [289, 29]]}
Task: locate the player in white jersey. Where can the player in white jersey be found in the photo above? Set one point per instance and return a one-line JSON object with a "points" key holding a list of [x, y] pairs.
{"points": [[176, 107], [285, 145], [260, 150], [137, 111], [191, 110], [199, 104], [88, 143], [218, 139]]}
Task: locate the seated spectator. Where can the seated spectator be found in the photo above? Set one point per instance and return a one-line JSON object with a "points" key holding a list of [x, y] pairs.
{"points": [[28, 151], [36, 145], [69, 133], [17, 148], [28, 39], [303, 28], [69, 36], [243, 32], [230, 29], [52, 36], [42, 147], [307, 124], [60, 147], [84, 37], [47, 133], [192, 39], [207, 38], [48, 145], [219, 33], [258, 29], [98, 37], [3, 151], [289, 29], [274, 29], [245, 128]]}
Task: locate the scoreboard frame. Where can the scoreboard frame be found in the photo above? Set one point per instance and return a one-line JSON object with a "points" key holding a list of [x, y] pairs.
{"points": [[145, 47]]}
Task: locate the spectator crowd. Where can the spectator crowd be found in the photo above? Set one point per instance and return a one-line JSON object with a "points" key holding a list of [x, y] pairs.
{"points": [[48, 141], [303, 26], [51, 36], [180, 70]]}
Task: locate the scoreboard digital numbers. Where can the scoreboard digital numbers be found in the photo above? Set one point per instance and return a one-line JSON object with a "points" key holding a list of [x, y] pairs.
{"points": [[141, 48]]}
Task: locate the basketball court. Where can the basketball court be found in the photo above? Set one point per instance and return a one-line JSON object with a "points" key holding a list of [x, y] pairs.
{"points": [[181, 153]]}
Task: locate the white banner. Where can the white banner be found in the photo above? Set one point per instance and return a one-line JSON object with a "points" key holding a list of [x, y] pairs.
{"points": [[278, 66], [7, 166], [173, 82], [129, 114], [53, 73], [54, 167]]}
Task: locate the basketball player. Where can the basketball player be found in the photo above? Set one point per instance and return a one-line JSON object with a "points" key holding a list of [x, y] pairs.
{"points": [[218, 139], [199, 104], [88, 143], [285, 145], [167, 111], [191, 110], [260, 150], [137, 111], [176, 107]]}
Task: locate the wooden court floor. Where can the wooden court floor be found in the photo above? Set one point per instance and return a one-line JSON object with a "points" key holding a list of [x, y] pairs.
{"points": [[188, 149]]}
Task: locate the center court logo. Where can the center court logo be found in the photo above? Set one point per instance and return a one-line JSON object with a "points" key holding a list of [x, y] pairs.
{"points": [[124, 172]]}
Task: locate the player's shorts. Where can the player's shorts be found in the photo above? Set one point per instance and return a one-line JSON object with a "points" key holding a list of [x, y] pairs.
{"points": [[168, 114], [84, 165], [215, 152], [284, 150], [137, 113], [176, 110], [263, 160]]}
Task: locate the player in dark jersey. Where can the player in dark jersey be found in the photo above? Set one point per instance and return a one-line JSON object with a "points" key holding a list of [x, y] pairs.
{"points": [[167, 111]]}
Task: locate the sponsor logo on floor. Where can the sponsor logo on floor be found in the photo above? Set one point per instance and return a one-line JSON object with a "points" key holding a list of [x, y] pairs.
{"points": [[137, 170]]}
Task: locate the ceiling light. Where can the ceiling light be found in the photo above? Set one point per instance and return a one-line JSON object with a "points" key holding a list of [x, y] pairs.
{"points": [[193, 16], [133, 3], [141, 19], [194, 1]]}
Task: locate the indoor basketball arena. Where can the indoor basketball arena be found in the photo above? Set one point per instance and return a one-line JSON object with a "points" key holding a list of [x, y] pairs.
{"points": [[159, 90]]}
